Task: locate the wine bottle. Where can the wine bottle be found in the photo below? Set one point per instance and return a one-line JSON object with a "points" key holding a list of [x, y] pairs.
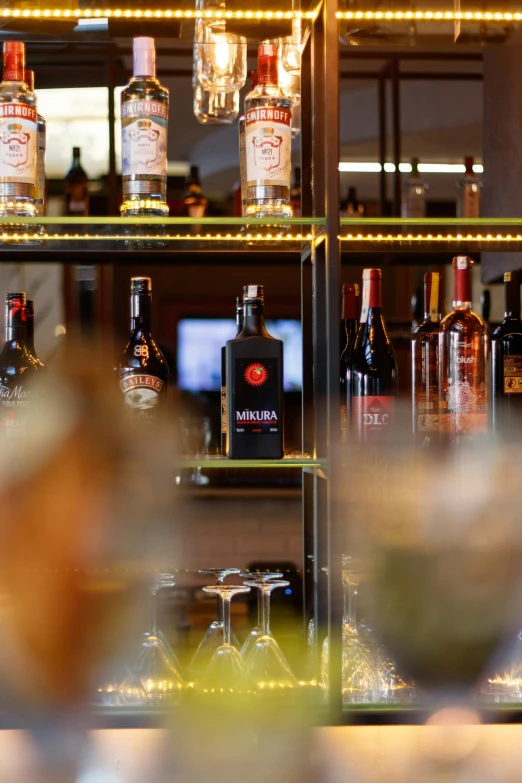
{"points": [[239, 327], [18, 369], [469, 200], [349, 323], [425, 364], [76, 188], [254, 362], [374, 368], [144, 118], [142, 369], [195, 201], [462, 362], [506, 362], [29, 333]]}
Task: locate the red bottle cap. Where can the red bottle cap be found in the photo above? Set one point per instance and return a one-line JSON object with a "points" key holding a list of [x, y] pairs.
{"points": [[468, 163], [462, 278], [267, 58], [350, 304], [372, 293], [29, 79], [14, 61]]}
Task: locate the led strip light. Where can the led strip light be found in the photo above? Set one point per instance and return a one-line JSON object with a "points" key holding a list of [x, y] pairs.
{"points": [[119, 13], [430, 238], [434, 16]]}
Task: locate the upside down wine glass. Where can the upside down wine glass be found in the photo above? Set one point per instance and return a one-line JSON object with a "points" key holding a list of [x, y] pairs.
{"points": [[257, 631], [266, 665], [225, 671], [214, 636]]}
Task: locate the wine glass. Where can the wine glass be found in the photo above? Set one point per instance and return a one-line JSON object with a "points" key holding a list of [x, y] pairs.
{"points": [[257, 631], [157, 669], [266, 665], [214, 636], [196, 434], [226, 670]]}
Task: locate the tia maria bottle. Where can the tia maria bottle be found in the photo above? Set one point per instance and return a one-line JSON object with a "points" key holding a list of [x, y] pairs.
{"points": [[462, 362], [142, 369], [239, 327], [374, 369], [18, 369], [425, 363], [254, 362], [349, 324], [506, 362]]}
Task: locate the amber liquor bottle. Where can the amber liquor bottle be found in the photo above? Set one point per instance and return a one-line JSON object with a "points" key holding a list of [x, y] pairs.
{"points": [[425, 364], [254, 370], [462, 363], [506, 363], [142, 369], [76, 188]]}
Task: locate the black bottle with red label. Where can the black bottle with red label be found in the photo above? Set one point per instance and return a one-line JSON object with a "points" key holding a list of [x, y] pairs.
{"points": [[506, 363], [142, 369], [374, 368], [254, 362]]}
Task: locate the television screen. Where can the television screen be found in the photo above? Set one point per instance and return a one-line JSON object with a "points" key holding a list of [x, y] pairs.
{"points": [[199, 351]]}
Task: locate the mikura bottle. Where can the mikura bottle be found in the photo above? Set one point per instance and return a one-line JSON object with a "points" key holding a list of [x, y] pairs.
{"points": [[349, 325], [18, 136], [374, 368], [254, 362], [506, 363], [239, 327], [462, 362], [268, 141], [29, 333], [142, 369], [425, 364], [144, 121], [41, 139], [18, 369]]}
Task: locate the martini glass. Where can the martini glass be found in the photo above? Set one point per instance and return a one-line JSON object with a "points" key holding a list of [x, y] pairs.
{"points": [[266, 665], [259, 578], [214, 636], [225, 671], [157, 669]]}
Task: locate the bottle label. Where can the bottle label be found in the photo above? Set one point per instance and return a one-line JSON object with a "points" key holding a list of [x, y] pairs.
{"points": [[223, 409], [463, 400], [513, 374], [365, 302], [268, 140], [144, 138], [143, 394], [372, 418], [344, 422], [18, 143], [14, 401], [256, 397], [434, 298], [471, 201]]}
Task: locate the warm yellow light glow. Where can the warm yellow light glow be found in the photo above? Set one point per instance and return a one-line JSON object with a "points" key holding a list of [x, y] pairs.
{"points": [[178, 13], [429, 238], [450, 16]]}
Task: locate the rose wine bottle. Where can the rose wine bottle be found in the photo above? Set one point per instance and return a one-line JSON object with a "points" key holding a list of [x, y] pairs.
{"points": [[506, 362], [142, 369], [254, 362], [425, 364], [349, 325], [374, 369], [462, 362], [239, 328]]}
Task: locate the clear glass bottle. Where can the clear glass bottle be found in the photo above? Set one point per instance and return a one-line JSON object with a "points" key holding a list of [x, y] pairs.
{"points": [[18, 137], [425, 364], [414, 194], [41, 137], [76, 188], [268, 141], [144, 131], [462, 362], [469, 197]]}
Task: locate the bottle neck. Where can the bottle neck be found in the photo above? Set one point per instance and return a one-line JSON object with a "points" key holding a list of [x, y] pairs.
{"points": [[431, 298], [512, 299], [15, 322], [29, 333], [254, 319], [267, 72], [462, 282], [144, 65], [239, 321], [14, 66], [349, 308], [141, 312], [371, 299]]}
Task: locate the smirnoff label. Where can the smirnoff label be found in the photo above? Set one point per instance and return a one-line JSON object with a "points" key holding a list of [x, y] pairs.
{"points": [[268, 140], [18, 143], [256, 397], [372, 418], [144, 137], [142, 394]]}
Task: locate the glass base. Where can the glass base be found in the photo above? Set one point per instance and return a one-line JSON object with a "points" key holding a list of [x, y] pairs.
{"points": [[269, 208], [144, 208]]}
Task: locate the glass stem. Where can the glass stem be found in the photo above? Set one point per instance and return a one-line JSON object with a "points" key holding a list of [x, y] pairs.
{"points": [[349, 604], [219, 581], [265, 603], [259, 608], [154, 613], [226, 618]]}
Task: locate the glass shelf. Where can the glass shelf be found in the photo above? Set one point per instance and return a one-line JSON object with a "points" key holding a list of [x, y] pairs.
{"points": [[211, 462], [33, 236], [434, 235]]}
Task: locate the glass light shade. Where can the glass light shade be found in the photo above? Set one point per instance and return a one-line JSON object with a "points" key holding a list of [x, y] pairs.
{"points": [[215, 108], [290, 49], [221, 57]]}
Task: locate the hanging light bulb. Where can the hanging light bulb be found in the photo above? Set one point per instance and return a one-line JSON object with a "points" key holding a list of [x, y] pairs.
{"points": [[221, 56], [291, 49]]}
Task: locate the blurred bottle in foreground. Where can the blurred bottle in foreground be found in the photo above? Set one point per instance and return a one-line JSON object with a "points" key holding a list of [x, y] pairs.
{"points": [[506, 362], [195, 201], [76, 188], [469, 196]]}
